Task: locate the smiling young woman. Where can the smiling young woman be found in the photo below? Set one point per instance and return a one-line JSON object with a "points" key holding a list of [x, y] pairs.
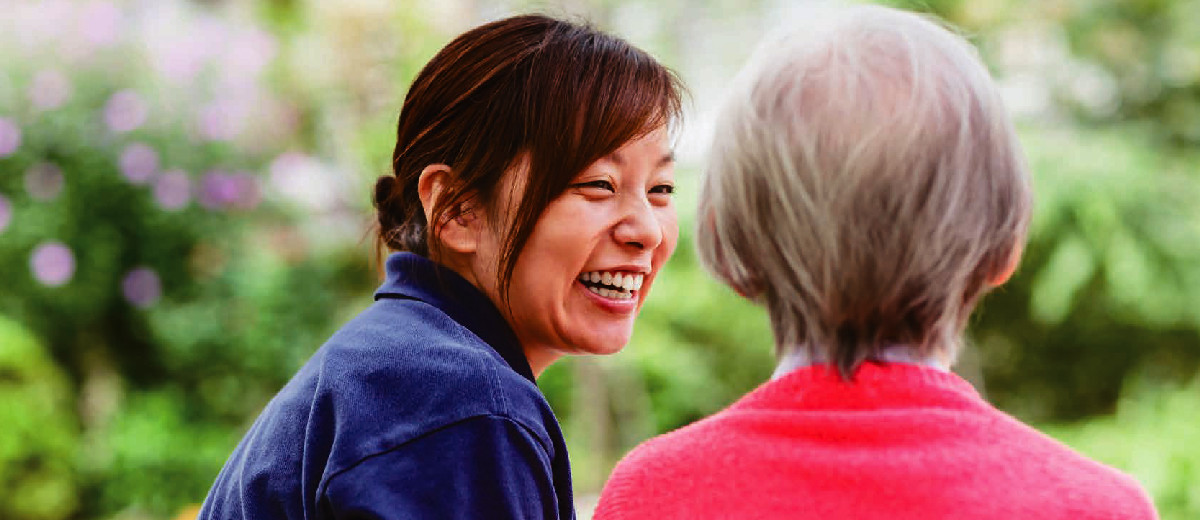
{"points": [[528, 211]]}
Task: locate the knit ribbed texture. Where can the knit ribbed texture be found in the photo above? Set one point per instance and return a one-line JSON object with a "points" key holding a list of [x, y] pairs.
{"points": [[899, 442]]}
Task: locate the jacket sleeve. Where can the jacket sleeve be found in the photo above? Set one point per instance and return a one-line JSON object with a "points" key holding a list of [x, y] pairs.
{"points": [[482, 467]]}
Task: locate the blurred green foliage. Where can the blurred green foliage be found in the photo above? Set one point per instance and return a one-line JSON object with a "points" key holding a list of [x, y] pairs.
{"points": [[122, 399], [1152, 436], [40, 436]]}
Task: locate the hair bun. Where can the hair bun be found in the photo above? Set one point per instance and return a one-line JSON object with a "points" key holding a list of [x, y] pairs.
{"points": [[383, 189]]}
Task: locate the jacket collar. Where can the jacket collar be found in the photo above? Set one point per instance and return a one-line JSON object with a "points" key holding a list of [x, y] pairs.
{"points": [[414, 277]]}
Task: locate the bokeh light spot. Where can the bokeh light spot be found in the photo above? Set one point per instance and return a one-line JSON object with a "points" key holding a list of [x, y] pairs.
{"points": [[49, 90], [52, 264], [139, 162], [173, 190], [10, 137], [125, 111], [142, 287]]}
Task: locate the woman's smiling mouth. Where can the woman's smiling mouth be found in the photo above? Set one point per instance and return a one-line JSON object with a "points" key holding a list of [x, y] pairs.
{"points": [[615, 285]]}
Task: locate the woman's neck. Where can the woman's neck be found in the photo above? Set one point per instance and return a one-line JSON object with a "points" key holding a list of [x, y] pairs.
{"points": [[798, 357]]}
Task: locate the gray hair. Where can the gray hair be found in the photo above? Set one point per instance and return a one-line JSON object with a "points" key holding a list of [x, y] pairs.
{"points": [[865, 184]]}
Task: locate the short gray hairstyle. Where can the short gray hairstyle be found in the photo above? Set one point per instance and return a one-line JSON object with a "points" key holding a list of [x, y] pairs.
{"points": [[865, 185]]}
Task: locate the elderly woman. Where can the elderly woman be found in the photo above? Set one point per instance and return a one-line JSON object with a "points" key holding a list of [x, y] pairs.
{"points": [[530, 210], [866, 187]]}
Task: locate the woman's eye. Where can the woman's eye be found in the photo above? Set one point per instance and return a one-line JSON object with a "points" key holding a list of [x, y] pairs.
{"points": [[666, 189], [603, 185]]}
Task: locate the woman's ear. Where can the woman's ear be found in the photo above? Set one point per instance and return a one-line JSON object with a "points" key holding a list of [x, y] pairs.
{"points": [[1001, 277], [458, 229]]}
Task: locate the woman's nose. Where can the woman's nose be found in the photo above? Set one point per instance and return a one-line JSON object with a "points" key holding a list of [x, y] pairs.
{"points": [[639, 227]]}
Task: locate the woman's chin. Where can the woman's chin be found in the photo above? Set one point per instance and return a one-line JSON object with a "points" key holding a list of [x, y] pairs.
{"points": [[606, 347]]}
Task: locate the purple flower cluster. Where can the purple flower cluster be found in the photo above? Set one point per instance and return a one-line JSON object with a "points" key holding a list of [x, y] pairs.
{"points": [[139, 162], [207, 72], [49, 90], [52, 263], [10, 137], [173, 190], [125, 111], [142, 287], [220, 190]]}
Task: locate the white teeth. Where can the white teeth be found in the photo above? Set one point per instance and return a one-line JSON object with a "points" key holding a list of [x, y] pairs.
{"points": [[611, 293], [623, 283]]}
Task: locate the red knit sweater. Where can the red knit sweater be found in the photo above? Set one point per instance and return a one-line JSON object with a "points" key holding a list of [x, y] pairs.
{"points": [[901, 442]]}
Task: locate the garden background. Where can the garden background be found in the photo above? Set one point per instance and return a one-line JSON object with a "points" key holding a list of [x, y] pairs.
{"points": [[185, 218]]}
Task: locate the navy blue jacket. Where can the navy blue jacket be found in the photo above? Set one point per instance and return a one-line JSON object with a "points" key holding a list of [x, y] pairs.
{"points": [[423, 406]]}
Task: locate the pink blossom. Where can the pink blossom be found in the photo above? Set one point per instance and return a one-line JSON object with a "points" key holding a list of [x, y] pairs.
{"points": [[180, 49], [49, 90], [52, 263], [173, 190], [304, 180], [217, 190], [223, 119], [247, 53], [125, 111], [38, 24], [100, 23], [43, 181], [139, 162], [220, 190], [249, 193], [142, 287], [10, 137]]}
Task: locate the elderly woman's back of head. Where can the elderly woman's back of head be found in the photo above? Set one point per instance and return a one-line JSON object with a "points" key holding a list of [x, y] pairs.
{"points": [[865, 186]]}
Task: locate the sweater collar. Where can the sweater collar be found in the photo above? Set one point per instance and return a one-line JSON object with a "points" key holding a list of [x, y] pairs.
{"points": [[799, 357], [411, 276], [874, 385]]}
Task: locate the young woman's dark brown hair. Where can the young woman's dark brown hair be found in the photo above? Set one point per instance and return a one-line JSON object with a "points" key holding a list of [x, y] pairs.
{"points": [[557, 94], [529, 211]]}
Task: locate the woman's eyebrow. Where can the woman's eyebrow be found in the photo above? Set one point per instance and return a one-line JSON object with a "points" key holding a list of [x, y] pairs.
{"points": [[619, 159]]}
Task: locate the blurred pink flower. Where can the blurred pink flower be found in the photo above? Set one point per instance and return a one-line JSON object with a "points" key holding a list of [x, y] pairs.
{"points": [[223, 119], [220, 190], [181, 45], [52, 263], [125, 111], [100, 23], [142, 287], [5, 213], [173, 190], [37, 24], [249, 193], [44, 181], [305, 180], [139, 162], [49, 90], [217, 190], [247, 53], [10, 137]]}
